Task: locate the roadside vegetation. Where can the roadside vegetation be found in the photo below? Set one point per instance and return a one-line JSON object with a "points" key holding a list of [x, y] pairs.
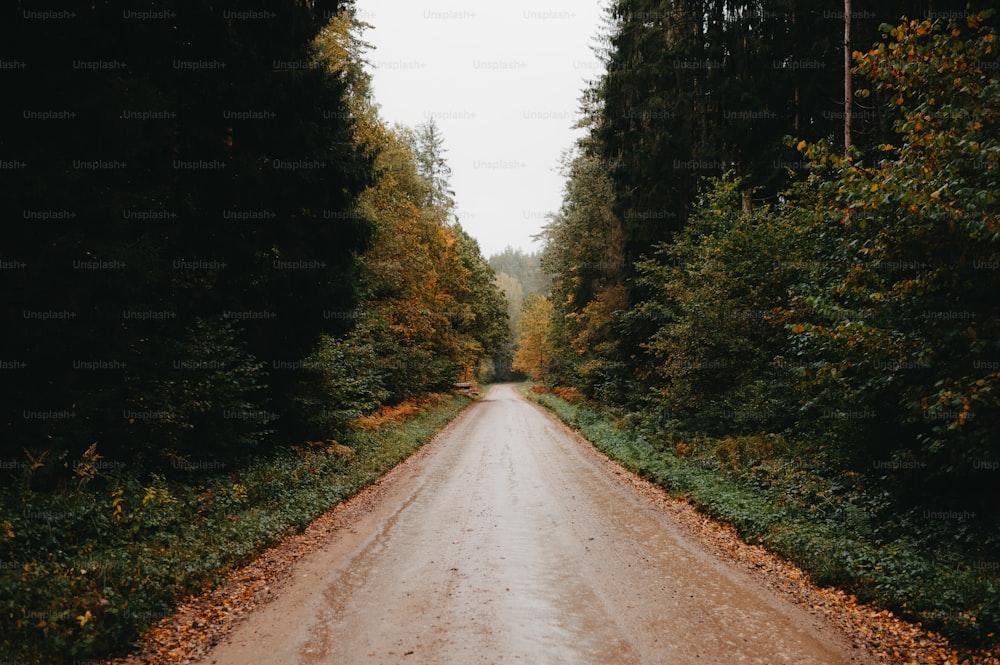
{"points": [[88, 568], [829, 524], [798, 331]]}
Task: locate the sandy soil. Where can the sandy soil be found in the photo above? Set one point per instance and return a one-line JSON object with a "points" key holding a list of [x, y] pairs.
{"points": [[508, 540]]}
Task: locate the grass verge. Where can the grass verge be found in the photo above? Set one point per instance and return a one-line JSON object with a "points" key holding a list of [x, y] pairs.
{"points": [[823, 525], [85, 570]]}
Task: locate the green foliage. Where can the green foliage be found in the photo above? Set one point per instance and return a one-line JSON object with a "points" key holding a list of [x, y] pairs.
{"points": [[692, 90], [518, 276], [719, 296], [485, 319], [195, 216], [431, 310], [85, 570], [534, 332], [525, 267], [513, 292], [696, 89], [350, 383], [854, 313], [428, 147], [827, 522], [208, 387], [583, 254], [910, 326]]}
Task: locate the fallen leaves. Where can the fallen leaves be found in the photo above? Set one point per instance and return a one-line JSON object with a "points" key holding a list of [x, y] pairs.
{"points": [[388, 414], [872, 629], [202, 622]]}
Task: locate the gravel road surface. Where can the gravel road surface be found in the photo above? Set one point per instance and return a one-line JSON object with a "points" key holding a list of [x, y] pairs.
{"points": [[510, 540]]}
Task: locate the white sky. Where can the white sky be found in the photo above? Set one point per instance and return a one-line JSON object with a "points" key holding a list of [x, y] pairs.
{"points": [[503, 82]]}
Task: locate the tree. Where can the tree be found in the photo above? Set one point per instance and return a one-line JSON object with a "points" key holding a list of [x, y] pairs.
{"points": [[524, 267], [584, 255], [720, 295], [480, 313], [431, 164], [532, 356], [912, 319], [430, 309], [405, 304], [514, 293], [848, 90], [184, 175]]}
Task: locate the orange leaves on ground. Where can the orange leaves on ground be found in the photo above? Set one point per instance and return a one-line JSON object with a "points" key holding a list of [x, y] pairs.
{"points": [[877, 631], [571, 395], [388, 414]]}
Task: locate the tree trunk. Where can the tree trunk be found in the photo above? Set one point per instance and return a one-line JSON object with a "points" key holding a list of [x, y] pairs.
{"points": [[848, 91], [798, 101]]}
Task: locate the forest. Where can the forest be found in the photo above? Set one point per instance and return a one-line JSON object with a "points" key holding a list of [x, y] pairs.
{"points": [[221, 270], [791, 281], [233, 294]]}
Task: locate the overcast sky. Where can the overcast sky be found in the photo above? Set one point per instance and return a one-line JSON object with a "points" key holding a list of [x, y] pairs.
{"points": [[503, 82]]}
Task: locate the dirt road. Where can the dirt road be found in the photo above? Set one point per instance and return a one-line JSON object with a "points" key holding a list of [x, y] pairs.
{"points": [[511, 541]]}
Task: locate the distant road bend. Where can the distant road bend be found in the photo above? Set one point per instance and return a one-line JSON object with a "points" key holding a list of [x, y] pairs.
{"points": [[509, 540]]}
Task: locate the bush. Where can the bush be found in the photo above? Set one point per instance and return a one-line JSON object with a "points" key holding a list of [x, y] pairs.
{"points": [[342, 382], [722, 290]]}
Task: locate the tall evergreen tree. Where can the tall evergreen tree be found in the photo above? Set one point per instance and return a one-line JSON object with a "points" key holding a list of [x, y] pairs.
{"points": [[184, 166], [700, 88], [433, 166]]}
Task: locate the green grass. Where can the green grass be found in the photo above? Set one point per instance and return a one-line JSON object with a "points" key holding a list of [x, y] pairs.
{"points": [[822, 524], [127, 549]]}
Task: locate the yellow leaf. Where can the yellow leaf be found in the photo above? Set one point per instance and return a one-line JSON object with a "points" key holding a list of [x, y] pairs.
{"points": [[801, 146], [84, 618]]}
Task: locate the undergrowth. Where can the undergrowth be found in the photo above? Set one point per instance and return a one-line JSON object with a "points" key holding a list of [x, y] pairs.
{"points": [[83, 571], [834, 528]]}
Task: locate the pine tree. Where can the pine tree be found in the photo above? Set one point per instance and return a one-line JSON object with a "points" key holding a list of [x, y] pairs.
{"points": [[433, 166]]}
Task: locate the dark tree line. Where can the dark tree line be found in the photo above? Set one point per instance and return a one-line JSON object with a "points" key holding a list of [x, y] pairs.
{"points": [[702, 276], [697, 88], [815, 323], [179, 197]]}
